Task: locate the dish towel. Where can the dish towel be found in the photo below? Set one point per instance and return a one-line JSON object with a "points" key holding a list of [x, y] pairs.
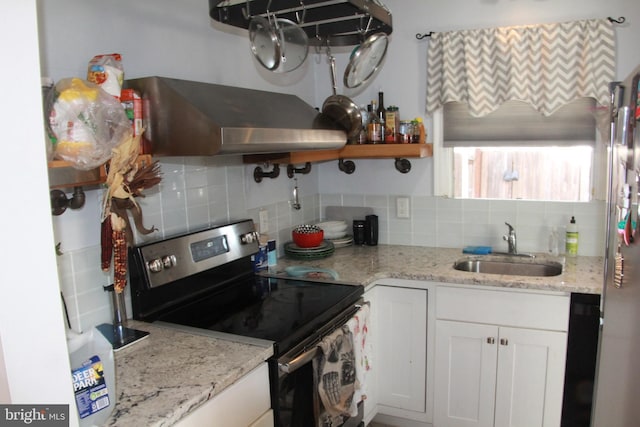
{"points": [[341, 369], [359, 327], [335, 374]]}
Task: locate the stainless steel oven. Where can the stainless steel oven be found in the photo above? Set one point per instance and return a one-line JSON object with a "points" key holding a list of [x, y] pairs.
{"points": [[205, 280]]}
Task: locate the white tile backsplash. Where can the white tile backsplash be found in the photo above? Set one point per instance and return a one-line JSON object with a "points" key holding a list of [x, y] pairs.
{"points": [[196, 193], [455, 223]]}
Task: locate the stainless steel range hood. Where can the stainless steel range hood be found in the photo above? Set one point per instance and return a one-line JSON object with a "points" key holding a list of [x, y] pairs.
{"points": [[187, 118]]}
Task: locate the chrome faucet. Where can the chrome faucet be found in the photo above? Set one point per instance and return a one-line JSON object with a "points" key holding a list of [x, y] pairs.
{"points": [[511, 240]]}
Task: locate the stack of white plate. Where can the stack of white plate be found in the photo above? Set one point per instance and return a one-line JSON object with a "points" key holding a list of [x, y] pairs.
{"points": [[336, 233]]}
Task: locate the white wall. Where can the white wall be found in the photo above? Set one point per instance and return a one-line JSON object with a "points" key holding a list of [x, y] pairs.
{"points": [[34, 358]]}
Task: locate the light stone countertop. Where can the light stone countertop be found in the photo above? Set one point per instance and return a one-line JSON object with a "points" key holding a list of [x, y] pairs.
{"points": [[365, 264], [169, 373]]}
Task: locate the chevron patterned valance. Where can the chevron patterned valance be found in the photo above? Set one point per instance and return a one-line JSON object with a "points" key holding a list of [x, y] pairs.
{"points": [[545, 65]]}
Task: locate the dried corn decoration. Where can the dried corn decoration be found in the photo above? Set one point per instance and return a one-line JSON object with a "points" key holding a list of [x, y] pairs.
{"points": [[126, 180], [106, 243], [119, 239]]}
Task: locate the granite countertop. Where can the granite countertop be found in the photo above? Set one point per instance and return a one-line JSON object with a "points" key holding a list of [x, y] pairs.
{"points": [[169, 373], [365, 264]]}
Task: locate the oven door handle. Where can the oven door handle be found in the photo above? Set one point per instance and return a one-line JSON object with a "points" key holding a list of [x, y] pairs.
{"points": [[297, 362], [290, 362]]}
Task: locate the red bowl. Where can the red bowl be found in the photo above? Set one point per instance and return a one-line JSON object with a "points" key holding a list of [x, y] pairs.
{"points": [[307, 237]]}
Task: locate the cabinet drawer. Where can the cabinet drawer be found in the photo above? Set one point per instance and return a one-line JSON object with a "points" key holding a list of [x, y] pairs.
{"points": [[499, 307], [239, 405]]}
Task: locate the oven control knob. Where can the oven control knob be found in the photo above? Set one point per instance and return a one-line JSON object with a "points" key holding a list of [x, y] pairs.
{"points": [[249, 237], [169, 261], [155, 266]]}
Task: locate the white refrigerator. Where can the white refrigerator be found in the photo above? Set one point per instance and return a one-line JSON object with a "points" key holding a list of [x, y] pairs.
{"points": [[617, 384]]}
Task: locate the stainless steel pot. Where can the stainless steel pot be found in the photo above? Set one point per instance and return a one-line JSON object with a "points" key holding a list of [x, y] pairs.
{"points": [[342, 109]]}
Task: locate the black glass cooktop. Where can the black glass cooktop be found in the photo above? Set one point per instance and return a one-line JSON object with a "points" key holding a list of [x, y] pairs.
{"points": [[279, 310]]}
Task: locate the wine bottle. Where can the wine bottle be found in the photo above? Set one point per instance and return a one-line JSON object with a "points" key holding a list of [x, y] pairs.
{"points": [[381, 113], [374, 128]]}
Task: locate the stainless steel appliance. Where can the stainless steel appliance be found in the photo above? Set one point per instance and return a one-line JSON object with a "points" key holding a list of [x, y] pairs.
{"points": [[189, 118], [204, 282], [617, 376]]}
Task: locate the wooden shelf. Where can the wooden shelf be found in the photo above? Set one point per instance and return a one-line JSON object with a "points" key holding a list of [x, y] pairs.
{"points": [[62, 174], [355, 151]]}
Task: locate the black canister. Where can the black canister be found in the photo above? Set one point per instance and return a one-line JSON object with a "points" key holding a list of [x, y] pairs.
{"points": [[358, 232], [371, 230]]}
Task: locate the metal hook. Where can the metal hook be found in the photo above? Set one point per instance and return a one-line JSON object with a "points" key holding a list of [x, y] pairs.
{"points": [[259, 173], [246, 11], [402, 165], [296, 200], [423, 36], [318, 46], [275, 21], [60, 202], [304, 13], [366, 30], [346, 166], [291, 169]]}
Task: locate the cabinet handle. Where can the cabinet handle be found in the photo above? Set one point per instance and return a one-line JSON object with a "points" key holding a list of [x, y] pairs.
{"points": [[504, 341], [491, 340]]}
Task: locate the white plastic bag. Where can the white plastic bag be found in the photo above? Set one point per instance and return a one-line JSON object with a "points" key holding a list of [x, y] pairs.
{"points": [[87, 123]]}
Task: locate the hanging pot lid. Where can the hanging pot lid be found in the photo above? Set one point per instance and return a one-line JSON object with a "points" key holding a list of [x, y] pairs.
{"points": [[365, 60], [265, 44], [293, 42]]}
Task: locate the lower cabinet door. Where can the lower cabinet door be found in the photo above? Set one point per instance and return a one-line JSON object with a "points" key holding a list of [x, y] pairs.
{"points": [[490, 376], [402, 343], [465, 374], [531, 365]]}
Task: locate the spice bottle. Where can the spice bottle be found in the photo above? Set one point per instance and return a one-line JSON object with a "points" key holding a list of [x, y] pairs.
{"points": [[392, 123], [420, 134], [364, 114]]}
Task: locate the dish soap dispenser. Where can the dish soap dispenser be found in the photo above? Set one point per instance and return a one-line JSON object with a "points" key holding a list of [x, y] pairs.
{"points": [[572, 238]]}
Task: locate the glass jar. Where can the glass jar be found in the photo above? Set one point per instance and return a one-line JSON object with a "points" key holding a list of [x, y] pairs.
{"points": [[392, 124], [405, 132]]}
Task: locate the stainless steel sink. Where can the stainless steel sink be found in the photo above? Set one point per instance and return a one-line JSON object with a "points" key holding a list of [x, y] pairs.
{"points": [[514, 267]]}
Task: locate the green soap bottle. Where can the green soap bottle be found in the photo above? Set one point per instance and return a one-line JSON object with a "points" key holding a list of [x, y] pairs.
{"points": [[572, 238]]}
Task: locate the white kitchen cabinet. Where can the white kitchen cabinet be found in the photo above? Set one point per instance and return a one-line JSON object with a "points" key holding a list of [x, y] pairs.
{"points": [[499, 358], [401, 339], [245, 403]]}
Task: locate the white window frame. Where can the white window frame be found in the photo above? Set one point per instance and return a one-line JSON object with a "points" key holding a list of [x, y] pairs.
{"points": [[443, 176]]}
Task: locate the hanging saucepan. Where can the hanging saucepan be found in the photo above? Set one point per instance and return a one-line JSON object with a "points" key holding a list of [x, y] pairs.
{"points": [[365, 60], [342, 109], [294, 45], [265, 44]]}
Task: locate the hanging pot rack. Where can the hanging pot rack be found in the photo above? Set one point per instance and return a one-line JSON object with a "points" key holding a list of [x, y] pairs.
{"points": [[337, 22]]}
